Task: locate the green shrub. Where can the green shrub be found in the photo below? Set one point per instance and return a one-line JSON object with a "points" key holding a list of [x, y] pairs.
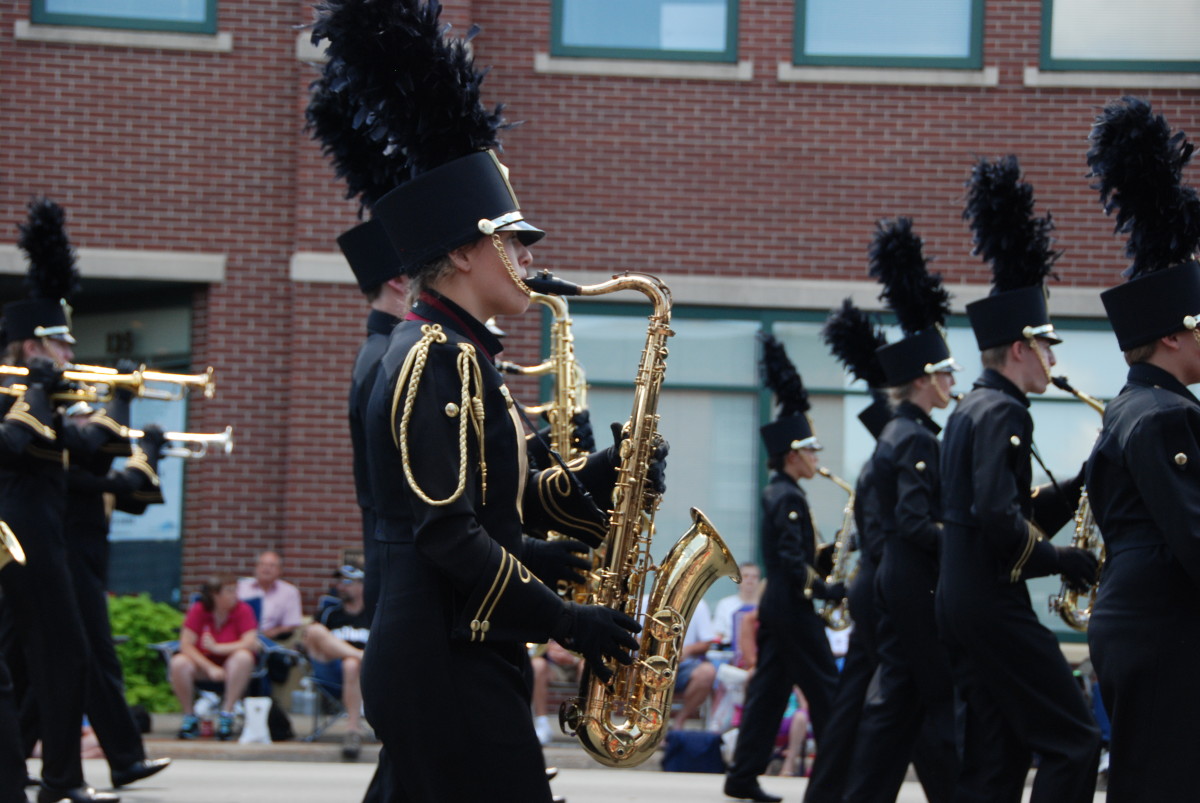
{"points": [[143, 621]]}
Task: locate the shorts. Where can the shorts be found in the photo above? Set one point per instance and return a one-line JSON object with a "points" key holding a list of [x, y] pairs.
{"points": [[686, 667]]}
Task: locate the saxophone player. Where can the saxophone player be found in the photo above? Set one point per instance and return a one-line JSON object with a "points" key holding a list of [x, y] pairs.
{"points": [[1020, 696], [446, 452], [1144, 631], [792, 647], [912, 694]]}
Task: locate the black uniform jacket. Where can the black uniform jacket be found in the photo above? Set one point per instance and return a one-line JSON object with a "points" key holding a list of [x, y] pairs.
{"points": [[1143, 481], [986, 474], [788, 546], [379, 326], [449, 475]]}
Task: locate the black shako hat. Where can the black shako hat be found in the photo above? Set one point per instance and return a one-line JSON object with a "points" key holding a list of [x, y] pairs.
{"points": [[1000, 209], [52, 279], [1138, 164], [853, 338], [917, 298], [370, 254], [791, 428], [417, 93], [451, 206]]}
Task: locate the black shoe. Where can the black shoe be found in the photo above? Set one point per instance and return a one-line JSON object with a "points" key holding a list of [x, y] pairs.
{"points": [[551, 772], [80, 794], [749, 791], [138, 770]]}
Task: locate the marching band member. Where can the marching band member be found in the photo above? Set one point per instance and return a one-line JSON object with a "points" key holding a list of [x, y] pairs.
{"points": [[1144, 629], [446, 451], [39, 597], [792, 647], [1020, 697], [912, 693]]}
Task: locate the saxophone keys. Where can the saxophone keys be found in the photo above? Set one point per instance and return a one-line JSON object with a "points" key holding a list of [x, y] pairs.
{"points": [[650, 719], [657, 672], [570, 715]]}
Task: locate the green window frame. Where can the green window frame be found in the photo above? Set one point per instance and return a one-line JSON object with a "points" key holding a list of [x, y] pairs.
{"points": [[812, 18], [563, 12], [1165, 26], [124, 14]]}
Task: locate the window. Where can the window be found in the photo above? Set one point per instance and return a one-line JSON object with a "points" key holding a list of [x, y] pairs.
{"points": [[680, 30], [890, 33], [1150, 35], [712, 405], [184, 16]]}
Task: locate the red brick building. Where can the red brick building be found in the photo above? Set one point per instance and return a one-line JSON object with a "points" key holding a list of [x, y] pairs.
{"points": [[745, 170]]}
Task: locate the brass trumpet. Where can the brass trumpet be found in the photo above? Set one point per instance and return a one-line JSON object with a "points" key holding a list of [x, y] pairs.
{"points": [[202, 442], [93, 378]]}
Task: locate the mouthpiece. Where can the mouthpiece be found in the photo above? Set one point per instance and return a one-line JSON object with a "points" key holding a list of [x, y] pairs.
{"points": [[546, 283], [1061, 383]]}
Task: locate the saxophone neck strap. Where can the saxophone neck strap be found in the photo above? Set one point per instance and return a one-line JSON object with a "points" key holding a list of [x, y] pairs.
{"points": [[589, 503]]}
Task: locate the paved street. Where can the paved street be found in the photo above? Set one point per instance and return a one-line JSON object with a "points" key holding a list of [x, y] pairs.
{"points": [[197, 780]]}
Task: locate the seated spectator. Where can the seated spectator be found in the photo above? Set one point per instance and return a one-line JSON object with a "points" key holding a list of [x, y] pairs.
{"points": [[556, 663], [745, 599], [281, 612], [218, 643], [335, 644]]}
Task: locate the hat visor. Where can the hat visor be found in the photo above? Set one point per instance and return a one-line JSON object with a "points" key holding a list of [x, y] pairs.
{"points": [[946, 366], [807, 443], [526, 233]]}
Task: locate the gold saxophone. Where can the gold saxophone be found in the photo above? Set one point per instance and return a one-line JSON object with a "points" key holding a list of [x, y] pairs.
{"points": [[620, 723], [1067, 602], [837, 614], [10, 547], [570, 384]]}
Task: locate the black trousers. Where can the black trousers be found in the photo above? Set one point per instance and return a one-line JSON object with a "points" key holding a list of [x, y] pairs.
{"points": [[105, 707], [792, 651], [911, 698], [12, 758], [1015, 696], [832, 764], [47, 635]]}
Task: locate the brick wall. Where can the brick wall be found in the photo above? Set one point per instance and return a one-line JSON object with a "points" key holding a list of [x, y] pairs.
{"points": [[206, 152]]}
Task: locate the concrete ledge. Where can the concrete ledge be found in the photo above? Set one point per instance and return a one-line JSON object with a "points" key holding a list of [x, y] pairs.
{"points": [[24, 30], [120, 263], [1117, 80], [902, 76], [320, 266], [634, 68], [307, 51]]}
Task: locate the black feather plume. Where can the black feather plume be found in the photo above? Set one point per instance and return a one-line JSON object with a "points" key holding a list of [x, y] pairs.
{"points": [[52, 272], [913, 293], [335, 118], [853, 336], [418, 89], [1139, 164], [781, 377], [1006, 233]]}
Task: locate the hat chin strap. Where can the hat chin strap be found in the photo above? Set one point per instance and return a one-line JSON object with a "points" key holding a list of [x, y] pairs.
{"points": [[1032, 341], [508, 265]]}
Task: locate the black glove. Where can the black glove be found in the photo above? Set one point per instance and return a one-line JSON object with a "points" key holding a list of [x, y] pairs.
{"points": [[656, 474], [152, 442], [584, 439], [830, 592], [596, 632], [124, 366], [45, 374], [1077, 567], [561, 559]]}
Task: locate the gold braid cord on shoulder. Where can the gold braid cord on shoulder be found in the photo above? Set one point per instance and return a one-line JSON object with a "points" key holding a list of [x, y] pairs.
{"points": [[470, 407]]}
